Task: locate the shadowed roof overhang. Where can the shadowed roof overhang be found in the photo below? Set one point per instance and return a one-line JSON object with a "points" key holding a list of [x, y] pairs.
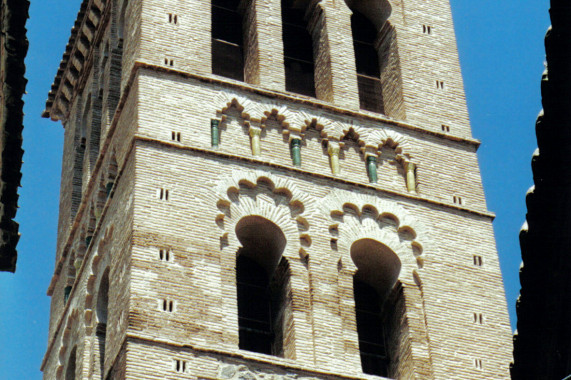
{"points": [[13, 50], [77, 52]]}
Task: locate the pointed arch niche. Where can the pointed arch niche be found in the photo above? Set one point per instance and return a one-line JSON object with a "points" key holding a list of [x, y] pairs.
{"points": [[380, 250]]}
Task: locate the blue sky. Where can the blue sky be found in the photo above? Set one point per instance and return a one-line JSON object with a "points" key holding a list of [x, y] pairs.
{"points": [[502, 55]]}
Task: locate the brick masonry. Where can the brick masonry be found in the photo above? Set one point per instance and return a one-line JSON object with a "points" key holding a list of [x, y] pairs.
{"points": [[151, 182]]}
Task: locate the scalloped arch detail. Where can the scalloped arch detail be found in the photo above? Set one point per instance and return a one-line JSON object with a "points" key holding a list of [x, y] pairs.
{"points": [[251, 178], [260, 111], [261, 193], [355, 216], [225, 100]]}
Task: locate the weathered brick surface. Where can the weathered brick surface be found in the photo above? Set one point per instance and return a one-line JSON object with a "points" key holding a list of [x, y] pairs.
{"points": [[154, 126]]}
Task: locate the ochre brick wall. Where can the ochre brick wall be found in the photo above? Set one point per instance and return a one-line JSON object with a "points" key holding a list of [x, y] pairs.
{"points": [[159, 204]]}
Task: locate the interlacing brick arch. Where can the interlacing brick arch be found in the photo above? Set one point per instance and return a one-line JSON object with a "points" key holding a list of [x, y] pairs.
{"points": [[386, 137], [258, 193], [354, 217]]}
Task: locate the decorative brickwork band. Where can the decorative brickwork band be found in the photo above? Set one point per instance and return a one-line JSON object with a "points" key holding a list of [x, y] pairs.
{"points": [[372, 168], [295, 146], [255, 140], [410, 169], [215, 132], [333, 150]]}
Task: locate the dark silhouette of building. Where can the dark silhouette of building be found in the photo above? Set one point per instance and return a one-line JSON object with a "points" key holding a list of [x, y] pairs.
{"points": [[542, 343], [13, 49]]}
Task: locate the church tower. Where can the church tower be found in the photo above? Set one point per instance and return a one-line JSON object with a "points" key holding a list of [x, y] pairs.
{"points": [[270, 189]]}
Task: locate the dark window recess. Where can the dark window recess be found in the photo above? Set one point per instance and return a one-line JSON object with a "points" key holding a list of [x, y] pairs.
{"points": [[370, 93], [254, 308], [102, 312], [173, 19], [227, 40], [298, 50], [180, 365], [367, 62], [371, 329], [168, 306], [71, 365], [260, 300]]}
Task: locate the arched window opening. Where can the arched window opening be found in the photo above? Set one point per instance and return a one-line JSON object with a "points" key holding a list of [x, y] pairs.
{"points": [[227, 39], [298, 49], [85, 119], [376, 57], [77, 179], [262, 277], [71, 365], [377, 274], [102, 311], [116, 71], [367, 63], [85, 141], [101, 197], [121, 23], [254, 318], [72, 267], [112, 170], [91, 224], [103, 300], [95, 129], [371, 330]]}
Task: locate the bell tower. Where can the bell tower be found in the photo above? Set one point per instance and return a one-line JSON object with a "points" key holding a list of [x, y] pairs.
{"points": [[276, 189]]}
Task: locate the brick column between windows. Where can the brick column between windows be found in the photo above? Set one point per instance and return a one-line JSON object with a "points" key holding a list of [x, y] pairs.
{"points": [[415, 341], [264, 62], [335, 70]]}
